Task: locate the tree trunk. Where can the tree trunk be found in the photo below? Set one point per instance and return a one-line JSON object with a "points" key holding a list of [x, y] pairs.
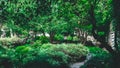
{"points": [[111, 38], [116, 15], [102, 40], [51, 37]]}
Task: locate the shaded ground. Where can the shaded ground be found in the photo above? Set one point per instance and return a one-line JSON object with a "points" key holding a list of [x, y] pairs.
{"points": [[77, 65]]}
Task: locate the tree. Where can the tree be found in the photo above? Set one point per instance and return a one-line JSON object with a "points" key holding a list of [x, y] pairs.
{"points": [[116, 16], [18, 14], [100, 24]]}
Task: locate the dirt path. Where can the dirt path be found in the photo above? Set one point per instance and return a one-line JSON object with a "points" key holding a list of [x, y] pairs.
{"points": [[77, 65]]}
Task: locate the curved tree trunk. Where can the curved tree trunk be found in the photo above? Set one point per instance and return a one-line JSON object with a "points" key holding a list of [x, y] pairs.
{"points": [[102, 40]]}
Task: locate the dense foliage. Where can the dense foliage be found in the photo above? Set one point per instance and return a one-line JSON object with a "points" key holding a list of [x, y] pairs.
{"points": [[45, 56], [99, 59], [28, 26]]}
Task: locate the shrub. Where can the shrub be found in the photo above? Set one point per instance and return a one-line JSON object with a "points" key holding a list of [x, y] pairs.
{"points": [[2, 48], [99, 59], [69, 38], [59, 37], [47, 46], [76, 52], [75, 38], [9, 41], [23, 49], [30, 57], [98, 51], [37, 43], [43, 39], [5, 60], [45, 56], [55, 58]]}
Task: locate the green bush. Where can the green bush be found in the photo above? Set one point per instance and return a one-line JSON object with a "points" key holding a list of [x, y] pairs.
{"points": [[37, 43], [23, 49], [59, 37], [55, 58], [2, 48], [99, 59], [98, 51], [9, 41], [74, 52], [69, 38], [47, 46], [45, 56], [75, 38], [5, 60], [43, 39]]}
